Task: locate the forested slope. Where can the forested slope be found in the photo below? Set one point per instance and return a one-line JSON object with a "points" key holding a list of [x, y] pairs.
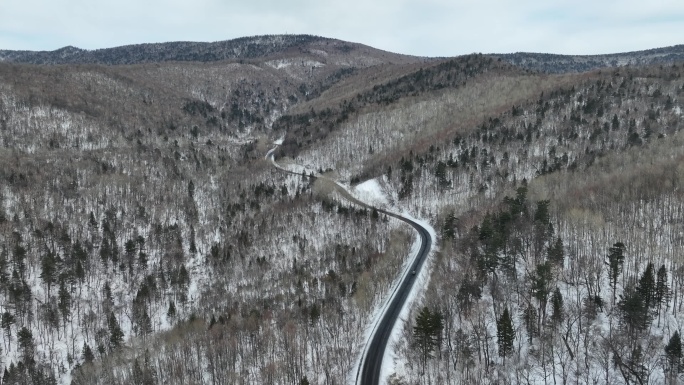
{"points": [[143, 238]]}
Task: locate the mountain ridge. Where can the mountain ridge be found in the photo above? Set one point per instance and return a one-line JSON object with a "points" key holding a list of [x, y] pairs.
{"points": [[261, 46], [557, 63], [234, 49]]}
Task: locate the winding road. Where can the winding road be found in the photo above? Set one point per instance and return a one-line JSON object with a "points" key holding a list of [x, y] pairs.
{"points": [[370, 369]]}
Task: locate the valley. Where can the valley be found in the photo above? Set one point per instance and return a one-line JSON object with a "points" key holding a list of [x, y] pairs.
{"points": [[145, 238]]}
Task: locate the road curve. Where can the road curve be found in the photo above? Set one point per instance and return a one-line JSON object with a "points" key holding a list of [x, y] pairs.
{"points": [[372, 360], [369, 372]]}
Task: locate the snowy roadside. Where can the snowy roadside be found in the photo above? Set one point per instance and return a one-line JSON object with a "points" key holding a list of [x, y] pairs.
{"points": [[371, 194], [415, 295]]}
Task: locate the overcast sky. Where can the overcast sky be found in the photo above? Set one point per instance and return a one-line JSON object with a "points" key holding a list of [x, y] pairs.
{"points": [[425, 27]]}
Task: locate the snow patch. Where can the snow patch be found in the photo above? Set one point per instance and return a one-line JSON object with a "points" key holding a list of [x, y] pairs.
{"points": [[285, 63], [371, 192]]}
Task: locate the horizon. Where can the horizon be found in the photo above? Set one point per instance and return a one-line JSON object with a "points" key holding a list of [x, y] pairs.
{"points": [[435, 28], [332, 38]]}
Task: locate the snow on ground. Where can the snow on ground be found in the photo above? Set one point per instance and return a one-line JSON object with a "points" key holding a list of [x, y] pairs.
{"points": [[285, 63], [371, 192], [397, 364], [375, 318]]}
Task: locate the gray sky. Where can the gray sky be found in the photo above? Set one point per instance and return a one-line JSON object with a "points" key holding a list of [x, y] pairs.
{"points": [[425, 27]]}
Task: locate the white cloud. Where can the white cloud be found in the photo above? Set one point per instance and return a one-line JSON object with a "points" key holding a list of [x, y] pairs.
{"points": [[428, 27]]}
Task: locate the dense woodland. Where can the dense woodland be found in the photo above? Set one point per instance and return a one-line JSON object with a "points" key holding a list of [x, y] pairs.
{"points": [[145, 240]]}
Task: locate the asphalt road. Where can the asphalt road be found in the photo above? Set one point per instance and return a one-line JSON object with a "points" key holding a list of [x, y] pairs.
{"points": [[372, 361], [371, 365]]}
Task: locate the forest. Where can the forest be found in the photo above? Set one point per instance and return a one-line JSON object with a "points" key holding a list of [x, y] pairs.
{"points": [[144, 238]]}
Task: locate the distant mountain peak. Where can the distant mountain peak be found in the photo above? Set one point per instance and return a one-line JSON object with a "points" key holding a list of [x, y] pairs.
{"points": [[555, 63], [240, 48]]}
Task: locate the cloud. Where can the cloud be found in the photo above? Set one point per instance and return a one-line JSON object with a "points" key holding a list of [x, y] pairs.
{"points": [[428, 27]]}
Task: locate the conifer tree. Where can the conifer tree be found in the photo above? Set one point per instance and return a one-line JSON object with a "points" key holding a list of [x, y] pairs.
{"points": [[88, 355], [137, 373], [424, 333], [436, 328], [449, 224], [555, 252], [48, 270], [673, 353], [647, 287], [440, 174], [662, 291], [25, 340], [635, 315], [149, 373], [529, 316], [6, 321], [171, 313], [505, 334], [115, 333], [105, 251], [541, 288], [556, 307], [616, 257], [64, 303]]}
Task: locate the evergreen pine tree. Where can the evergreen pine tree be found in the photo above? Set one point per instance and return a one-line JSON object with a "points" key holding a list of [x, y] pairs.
{"points": [[673, 353], [64, 303], [6, 321], [6, 375], [556, 307], [436, 328], [662, 292], [88, 355], [541, 288], [149, 373], [543, 229], [105, 251], [115, 333], [171, 313], [3, 216], [440, 174], [25, 340], [424, 334], [647, 287], [48, 270], [79, 272], [191, 190], [635, 315], [314, 314], [91, 221], [556, 253], [137, 373], [4, 264], [449, 225], [505, 334], [616, 258], [529, 315], [145, 322]]}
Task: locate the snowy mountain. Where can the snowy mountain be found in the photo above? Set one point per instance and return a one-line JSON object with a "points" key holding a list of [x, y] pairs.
{"points": [[551, 63], [145, 239], [241, 48]]}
